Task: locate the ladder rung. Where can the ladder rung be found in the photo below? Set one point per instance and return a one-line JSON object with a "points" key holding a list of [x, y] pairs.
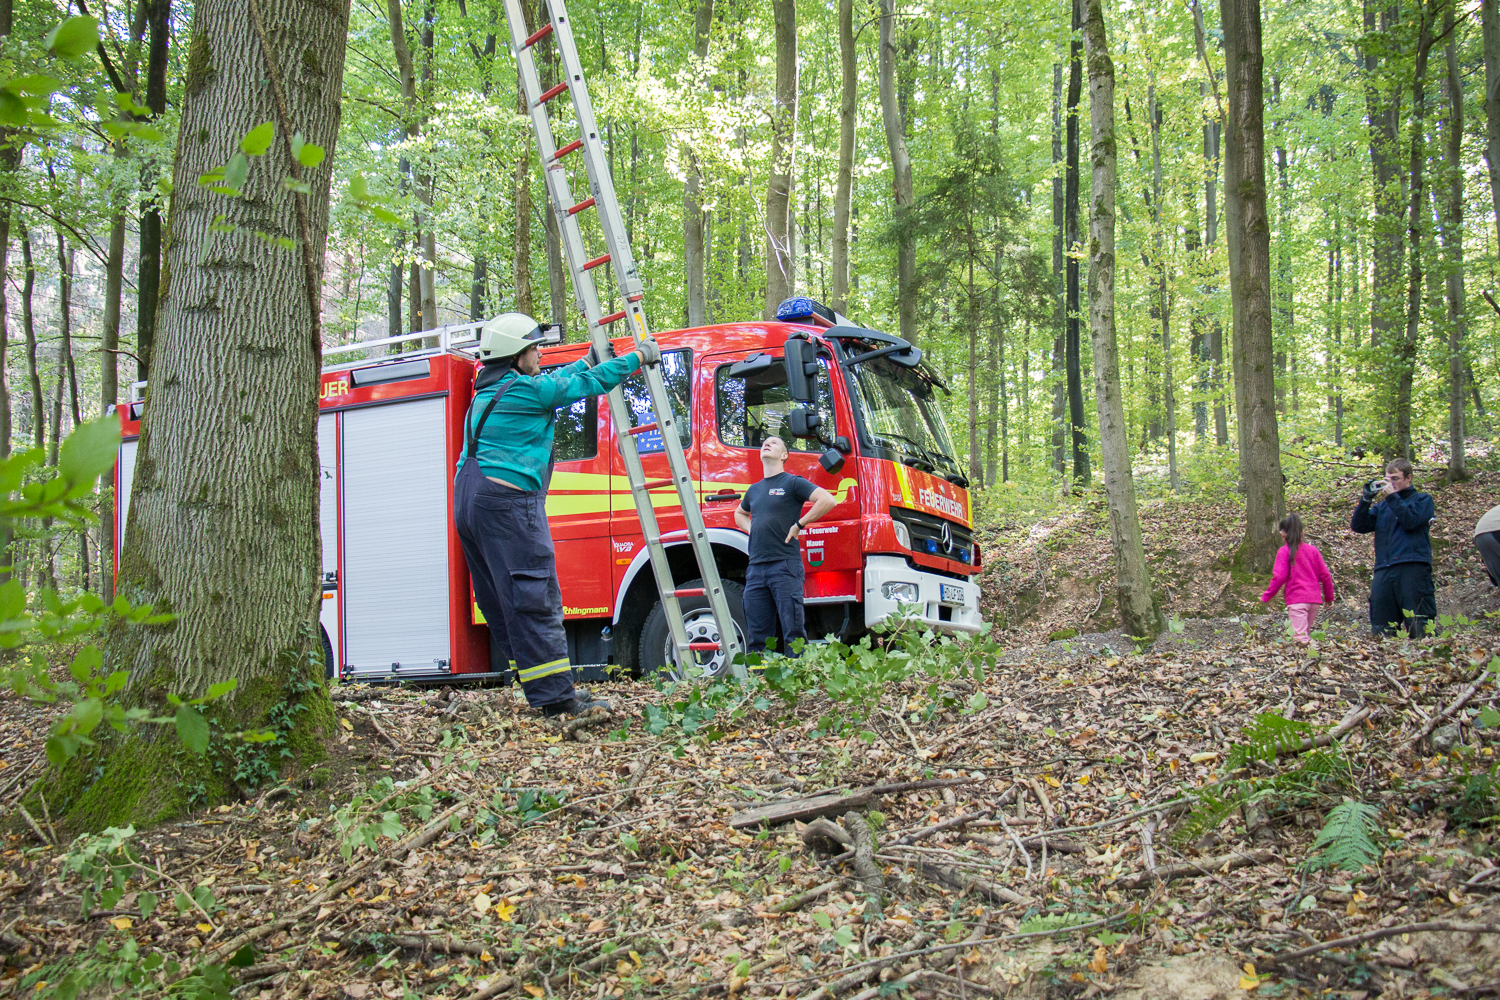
{"points": [[657, 484], [615, 318], [571, 147], [689, 592], [586, 203], [643, 429], [537, 36], [636, 297], [597, 260], [548, 95], [696, 646]]}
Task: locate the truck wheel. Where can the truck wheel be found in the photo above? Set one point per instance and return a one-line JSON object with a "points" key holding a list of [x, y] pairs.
{"points": [[698, 618], [328, 672]]}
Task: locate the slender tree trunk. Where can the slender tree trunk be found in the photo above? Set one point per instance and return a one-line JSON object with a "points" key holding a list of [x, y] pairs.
{"points": [[901, 175], [1250, 282], [694, 248], [1059, 285], [1490, 16], [149, 279], [1336, 308], [7, 534], [1164, 305], [1453, 243], [28, 326], [1286, 336], [1082, 475], [225, 501], [1383, 108], [1406, 353], [1138, 614], [1212, 132], [848, 123], [976, 463], [780, 262]]}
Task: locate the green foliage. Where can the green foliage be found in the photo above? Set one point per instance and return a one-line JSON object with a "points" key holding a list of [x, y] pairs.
{"points": [[1347, 839], [103, 859], [1267, 737], [375, 814], [1052, 922]]}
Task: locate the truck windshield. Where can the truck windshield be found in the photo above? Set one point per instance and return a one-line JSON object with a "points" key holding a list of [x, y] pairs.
{"points": [[900, 413]]}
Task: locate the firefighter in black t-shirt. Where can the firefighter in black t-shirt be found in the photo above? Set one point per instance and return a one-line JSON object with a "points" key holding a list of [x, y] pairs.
{"points": [[771, 513]]}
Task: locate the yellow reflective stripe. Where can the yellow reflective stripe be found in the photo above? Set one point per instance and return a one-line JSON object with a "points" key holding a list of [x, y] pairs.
{"points": [[841, 493], [544, 670]]}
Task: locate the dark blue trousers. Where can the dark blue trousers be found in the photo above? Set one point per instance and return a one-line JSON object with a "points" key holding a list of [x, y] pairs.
{"points": [[1398, 589], [508, 547], [773, 594]]}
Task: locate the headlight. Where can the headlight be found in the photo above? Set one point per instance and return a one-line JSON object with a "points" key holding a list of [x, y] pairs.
{"points": [[905, 593], [902, 535]]}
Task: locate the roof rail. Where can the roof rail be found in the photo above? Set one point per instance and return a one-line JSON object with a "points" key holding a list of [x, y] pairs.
{"points": [[452, 337]]}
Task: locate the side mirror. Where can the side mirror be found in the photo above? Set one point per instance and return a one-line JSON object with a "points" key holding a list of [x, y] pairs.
{"points": [[805, 423], [831, 460], [802, 370]]}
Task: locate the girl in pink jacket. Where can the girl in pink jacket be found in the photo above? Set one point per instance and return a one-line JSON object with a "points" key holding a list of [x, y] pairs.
{"points": [[1301, 569]]}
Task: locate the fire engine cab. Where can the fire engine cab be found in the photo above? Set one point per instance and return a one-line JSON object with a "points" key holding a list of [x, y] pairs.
{"points": [[867, 427]]}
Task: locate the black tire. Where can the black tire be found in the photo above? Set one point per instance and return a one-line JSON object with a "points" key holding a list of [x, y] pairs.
{"points": [[327, 654], [654, 656]]}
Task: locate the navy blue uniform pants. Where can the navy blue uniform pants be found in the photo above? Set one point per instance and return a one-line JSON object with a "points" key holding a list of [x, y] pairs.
{"points": [[1397, 589], [508, 547], [1488, 545], [773, 594]]}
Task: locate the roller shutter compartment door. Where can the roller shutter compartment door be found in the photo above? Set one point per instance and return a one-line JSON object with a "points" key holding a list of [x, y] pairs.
{"points": [[395, 584], [328, 491], [122, 502]]}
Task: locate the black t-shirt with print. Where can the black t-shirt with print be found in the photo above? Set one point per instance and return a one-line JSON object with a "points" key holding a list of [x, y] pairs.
{"points": [[774, 504]]}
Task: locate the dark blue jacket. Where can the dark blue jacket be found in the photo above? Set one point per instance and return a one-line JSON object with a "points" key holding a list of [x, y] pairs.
{"points": [[1400, 525]]}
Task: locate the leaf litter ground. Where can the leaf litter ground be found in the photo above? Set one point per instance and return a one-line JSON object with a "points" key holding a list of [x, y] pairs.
{"points": [[525, 858]]}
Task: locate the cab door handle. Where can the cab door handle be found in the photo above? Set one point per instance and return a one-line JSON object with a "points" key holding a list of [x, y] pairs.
{"points": [[721, 497]]}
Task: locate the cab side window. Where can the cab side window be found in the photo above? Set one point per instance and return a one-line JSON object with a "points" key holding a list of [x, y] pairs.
{"points": [[755, 408], [576, 431], [676, 372]]}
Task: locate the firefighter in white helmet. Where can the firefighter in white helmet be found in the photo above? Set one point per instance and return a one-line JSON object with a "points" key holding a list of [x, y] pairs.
{"points": [[499, 501]]}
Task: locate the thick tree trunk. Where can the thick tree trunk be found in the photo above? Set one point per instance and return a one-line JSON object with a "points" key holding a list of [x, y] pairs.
{"points": [[224, 513], [1082, 475], [694, 248], [1490, 15], [780, 262], [848, 122], [1453, 243], [1406, 350], [1250, 285], [109, 340], [1059, 286], [1138, 614], [901, 177], [1212, 132]]}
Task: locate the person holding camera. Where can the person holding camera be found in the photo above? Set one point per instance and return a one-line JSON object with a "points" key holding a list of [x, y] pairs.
{"points": [[1401, 593]]}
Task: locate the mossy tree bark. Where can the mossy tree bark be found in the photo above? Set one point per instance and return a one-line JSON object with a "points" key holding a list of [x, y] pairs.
{"points": [[223, 524], [848, 120], [1250, 284], [1138, 614], [780, 264]]}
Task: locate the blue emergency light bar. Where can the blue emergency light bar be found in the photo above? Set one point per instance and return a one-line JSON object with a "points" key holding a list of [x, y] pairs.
{"points": [[801, 309]]}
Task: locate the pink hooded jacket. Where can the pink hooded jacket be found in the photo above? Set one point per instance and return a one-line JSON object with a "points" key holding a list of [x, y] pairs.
{"points": [[1307, 581]]}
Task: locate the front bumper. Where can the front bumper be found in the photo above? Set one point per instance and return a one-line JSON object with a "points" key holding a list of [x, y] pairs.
{"points": [[943, 616]]}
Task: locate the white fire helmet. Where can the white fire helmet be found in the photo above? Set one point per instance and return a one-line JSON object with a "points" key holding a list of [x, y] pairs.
{"points": [[508, 335]]}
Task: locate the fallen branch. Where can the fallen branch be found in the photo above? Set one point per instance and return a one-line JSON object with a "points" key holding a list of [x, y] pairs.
{"points": [[1166, 873], [1384, 932], [824, 836], [633, 786], [446, 944], [936, 828], [864, 853], [493, 988], [803, 898], [571, 730], [40, 834], [860, 973], [955, 879], [1349, 721], [1462, 700], [390, 740]]}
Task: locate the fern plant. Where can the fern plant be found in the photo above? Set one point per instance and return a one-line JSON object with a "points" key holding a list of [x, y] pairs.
{"points": [[1347, 840], [1266, 738]]}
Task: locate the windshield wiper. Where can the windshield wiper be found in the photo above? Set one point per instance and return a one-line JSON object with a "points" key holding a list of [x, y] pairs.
{"points": [[921, 454]]}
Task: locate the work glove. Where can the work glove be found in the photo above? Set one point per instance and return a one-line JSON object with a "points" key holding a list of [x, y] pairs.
{"points": [[593, 357], [649, 352]]}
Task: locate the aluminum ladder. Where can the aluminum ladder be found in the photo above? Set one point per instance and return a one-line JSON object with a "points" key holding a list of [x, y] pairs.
{"points": [[617, 246]]}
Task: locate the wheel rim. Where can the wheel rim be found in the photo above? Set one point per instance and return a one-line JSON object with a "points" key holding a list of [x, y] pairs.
{"points": [[701, 626]]}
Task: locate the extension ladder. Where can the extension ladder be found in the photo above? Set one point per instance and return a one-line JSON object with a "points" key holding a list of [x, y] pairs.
{"points": [[580, 265]]}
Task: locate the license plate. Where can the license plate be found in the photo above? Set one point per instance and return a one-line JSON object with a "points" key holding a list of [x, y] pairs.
{"points": [[953, 594]]}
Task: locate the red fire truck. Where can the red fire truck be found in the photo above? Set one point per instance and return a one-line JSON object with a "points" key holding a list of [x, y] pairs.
{"points": [[397, 604]]}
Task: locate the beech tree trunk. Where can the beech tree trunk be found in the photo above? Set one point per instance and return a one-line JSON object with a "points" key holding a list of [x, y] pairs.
{"points": [[224, 513], [780, 263], [901, 178], [149, 277], [1082, 475], [1453, 243], [848, 123], [1490, 17], [28, 327], [1406, 350], [1212, 133], [1138, 614], [693, 242], [1250, 285], [1383, 108], [1059, 286]]}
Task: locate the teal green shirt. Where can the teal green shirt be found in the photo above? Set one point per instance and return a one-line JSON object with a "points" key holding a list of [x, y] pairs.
{"points": [[516, 443]]}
